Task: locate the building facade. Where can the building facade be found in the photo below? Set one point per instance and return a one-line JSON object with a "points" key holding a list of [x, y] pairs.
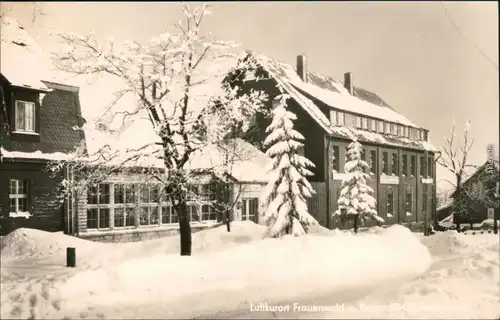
{"points": [[330, 113], [479, 193]]}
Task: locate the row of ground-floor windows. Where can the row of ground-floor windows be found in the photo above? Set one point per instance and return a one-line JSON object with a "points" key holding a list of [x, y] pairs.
{"points": [[409, 198], [120, 216]]}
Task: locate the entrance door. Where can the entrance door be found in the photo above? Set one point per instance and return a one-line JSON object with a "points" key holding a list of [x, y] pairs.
{"points": [[250, 209]]}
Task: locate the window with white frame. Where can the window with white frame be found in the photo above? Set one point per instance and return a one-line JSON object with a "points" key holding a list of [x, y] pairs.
{"points": [[25, 116], [193, 211], [407, 132], [373, 125], [98, 207], [250, 209], [168, 214], [340, 118], [125, 204], [358, 122], [333, 117], [381, 126], [148, 205], [387, 128], [364, 123], [401, 131], [394, 129], [18, 195]]}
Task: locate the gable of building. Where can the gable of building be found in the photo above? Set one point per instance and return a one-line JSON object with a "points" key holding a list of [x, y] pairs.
{"points": [[319, 96]]}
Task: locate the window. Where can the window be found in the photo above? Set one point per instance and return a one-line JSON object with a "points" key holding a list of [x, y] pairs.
{"points": [[395, 164], [430, 161], [168, 215], [387, 128], [422, 166], [364, 123], [425, 135], [335, 159], [409, 201], [337, 118], [407, 132], [333, 117], [390, 202], [381, 126], [208, 213], [385, 163], [125, 202], [250, 209], [341, 118], [358, 122], [193, 212], [405, 165], [394, 129], [25, 116], [401, 131], [148, 205], [98, 199], [413, 165], [373, 125], [373, 163], [18, 195]]}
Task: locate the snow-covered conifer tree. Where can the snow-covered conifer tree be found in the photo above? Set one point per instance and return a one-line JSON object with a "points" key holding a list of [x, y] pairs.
{"points": [[288, 189], [356, 197]]}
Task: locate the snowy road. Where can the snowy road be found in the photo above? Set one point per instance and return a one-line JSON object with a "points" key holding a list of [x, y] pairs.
{"points": [[335, 300]]}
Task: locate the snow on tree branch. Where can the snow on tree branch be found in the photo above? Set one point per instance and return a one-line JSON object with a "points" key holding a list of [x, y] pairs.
{"points": [[356, 197], [175, 80], [288, 189]]}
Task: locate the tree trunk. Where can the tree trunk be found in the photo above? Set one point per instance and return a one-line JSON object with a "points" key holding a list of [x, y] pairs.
{"points": [[356, 220], [228, 220], [184, 228]]}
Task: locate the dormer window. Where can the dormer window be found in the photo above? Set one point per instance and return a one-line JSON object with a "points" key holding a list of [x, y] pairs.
{"points": [[25, 117], [364, 123]]}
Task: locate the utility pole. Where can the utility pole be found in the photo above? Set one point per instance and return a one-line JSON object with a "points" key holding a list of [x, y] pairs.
{"points": [[425, 210]]}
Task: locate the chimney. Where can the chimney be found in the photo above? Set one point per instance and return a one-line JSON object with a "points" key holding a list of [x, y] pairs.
{"points": [[302, 67], [348, 83]]}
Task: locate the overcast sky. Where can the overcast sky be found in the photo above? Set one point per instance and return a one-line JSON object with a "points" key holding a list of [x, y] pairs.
{"points": [[410, 54]]}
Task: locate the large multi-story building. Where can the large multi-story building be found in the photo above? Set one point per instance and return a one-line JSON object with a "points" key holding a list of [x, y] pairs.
{"points": [[330, 113]]}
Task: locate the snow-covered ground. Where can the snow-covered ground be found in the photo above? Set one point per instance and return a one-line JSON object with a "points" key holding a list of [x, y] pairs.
{"points": [[230, 271]]}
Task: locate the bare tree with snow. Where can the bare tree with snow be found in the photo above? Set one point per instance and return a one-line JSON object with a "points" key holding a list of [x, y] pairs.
{"points": [[356, 197], [453, 157], [288, 189], [171, 80]]}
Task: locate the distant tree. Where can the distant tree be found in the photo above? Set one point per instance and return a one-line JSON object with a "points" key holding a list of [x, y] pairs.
{"points": [[288, 189], [165, 76], [454, 158], [356, 197]]}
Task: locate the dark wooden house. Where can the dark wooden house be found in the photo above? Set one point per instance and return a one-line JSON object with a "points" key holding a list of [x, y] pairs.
{"points": [[401, 159], [37, 120], [479, 193]]}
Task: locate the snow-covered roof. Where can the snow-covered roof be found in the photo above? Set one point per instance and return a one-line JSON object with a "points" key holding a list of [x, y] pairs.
{"points": [[446, 205], [23, 62], [333, 94], [242, 160]]}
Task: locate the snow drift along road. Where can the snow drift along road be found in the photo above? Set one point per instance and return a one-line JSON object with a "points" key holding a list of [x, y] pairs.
{"points": [[150, 280]]}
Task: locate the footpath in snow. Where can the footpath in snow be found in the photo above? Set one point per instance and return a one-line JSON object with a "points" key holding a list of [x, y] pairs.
{"points": [[228, 271]]}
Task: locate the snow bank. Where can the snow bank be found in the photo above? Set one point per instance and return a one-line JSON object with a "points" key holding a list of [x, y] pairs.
{"points": [[460, 286], [266, 270], [31, 243]]}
